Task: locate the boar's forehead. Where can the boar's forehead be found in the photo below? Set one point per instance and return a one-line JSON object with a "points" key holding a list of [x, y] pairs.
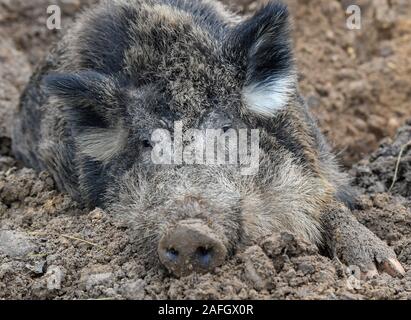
{"points": [[186, 66], [186, 87]]}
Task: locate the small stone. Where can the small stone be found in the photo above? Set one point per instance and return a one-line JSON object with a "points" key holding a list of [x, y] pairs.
{"points": [[330, 34], [5, 269], [134, 289], [38, 268], [97, 214], [55, 276], [306, 268], [258, 269], [98, 279], [15, 244], [351, 52], [96, 275]]}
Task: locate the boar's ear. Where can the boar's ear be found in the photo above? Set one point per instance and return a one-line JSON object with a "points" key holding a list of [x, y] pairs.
{"points": [[263, 45], [94, 108], [89, 99]]}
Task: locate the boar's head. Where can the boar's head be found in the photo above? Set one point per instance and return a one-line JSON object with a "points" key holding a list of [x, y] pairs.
{"points": [[140, 70]]}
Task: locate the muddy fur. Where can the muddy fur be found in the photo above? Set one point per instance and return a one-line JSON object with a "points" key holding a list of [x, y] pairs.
{"points": [[129, 67], [345, 231]]}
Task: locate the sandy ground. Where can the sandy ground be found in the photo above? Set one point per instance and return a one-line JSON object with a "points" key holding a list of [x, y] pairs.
{"points": [[357, 83]]}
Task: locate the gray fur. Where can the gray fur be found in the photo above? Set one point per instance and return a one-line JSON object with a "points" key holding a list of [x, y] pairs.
{"points": [[128, 67]]}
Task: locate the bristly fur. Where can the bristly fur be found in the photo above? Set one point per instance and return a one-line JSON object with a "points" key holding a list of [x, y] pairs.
{"points": [[270, 96], [128, 67]]}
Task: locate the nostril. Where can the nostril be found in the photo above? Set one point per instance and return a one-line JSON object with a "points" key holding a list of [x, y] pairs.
{"points": [[204, 255], [191, 246], [172, 254]]}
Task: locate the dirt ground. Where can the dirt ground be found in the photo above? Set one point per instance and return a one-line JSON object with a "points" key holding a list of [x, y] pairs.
{"points": [[358, 84]]}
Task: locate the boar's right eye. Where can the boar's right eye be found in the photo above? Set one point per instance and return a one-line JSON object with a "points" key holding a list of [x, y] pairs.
{"points": [[226, 128]]}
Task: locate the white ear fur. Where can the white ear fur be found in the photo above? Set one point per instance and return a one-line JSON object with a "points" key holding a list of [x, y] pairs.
{"points": [[102, 144], [268, 98]]}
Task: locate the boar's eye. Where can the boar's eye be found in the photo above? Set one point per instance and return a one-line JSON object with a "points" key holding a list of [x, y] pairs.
{"points": [[147, 144], [226, 128]]}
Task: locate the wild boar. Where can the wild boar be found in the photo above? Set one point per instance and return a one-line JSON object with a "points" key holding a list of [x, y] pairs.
{"points": [[128, 68]]}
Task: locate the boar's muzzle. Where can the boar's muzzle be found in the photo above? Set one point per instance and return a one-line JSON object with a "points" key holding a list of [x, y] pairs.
{"points": [[191, 247]]}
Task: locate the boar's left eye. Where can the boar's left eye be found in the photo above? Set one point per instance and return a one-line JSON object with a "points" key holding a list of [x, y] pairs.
{"points": [[147, 143]]}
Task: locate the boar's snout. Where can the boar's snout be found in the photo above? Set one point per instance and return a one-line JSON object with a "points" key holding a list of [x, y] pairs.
{"points": [[191, 247]]}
